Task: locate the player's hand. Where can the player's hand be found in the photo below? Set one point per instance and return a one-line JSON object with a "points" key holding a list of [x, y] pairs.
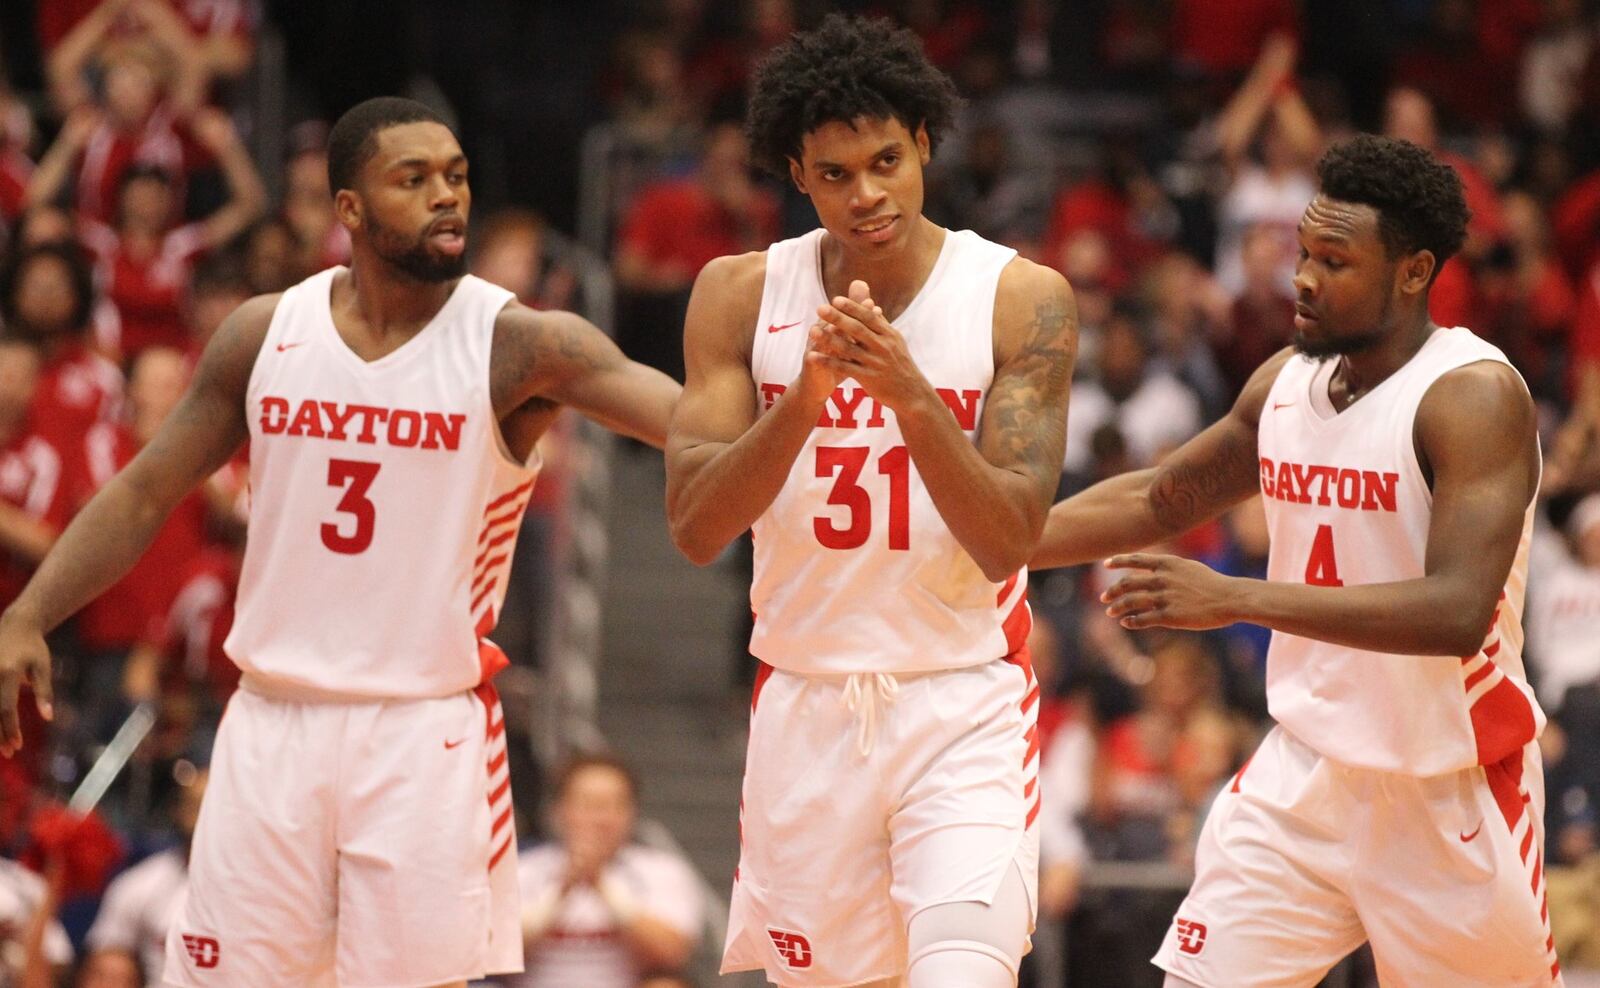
{"points": [[857, 341], [818, 375], [1167, 592], [23, 656]]}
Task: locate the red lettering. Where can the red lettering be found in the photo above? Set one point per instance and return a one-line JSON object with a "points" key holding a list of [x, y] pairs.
{"points": [[1285, 484], [876, 421], [1327, 475], [442, 430], [371, 417], [1378, 490], [274, 415], [964, 406], [1349, 488], [1268, 473], [1303, 475], [770, 393], [308, 421], [409, 435], [847, 408], [336, 420]]}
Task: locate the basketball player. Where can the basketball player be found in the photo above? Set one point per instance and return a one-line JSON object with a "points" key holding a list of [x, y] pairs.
{"points": [[351, 833], [1399, 799], [884, 401]]}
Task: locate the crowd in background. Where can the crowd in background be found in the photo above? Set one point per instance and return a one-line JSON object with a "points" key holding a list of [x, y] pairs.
{"points": [[1157, 152]]}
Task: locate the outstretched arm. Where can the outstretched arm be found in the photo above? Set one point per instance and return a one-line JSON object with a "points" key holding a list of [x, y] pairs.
{"points": [[726, 463], [114, 528], [1475, 431], [564, 358], [1196, 482]]}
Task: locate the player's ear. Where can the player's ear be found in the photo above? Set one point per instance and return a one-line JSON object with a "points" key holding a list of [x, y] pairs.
{"points": [[1416, 271], [797, 175], [347, 207], [924, 146]]}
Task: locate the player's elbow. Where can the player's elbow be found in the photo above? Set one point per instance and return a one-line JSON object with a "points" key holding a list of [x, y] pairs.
{"points": [[1466, 629], [697, 545], [1002, 563]]}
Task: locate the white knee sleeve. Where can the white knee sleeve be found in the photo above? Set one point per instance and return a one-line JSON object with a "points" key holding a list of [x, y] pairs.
{"points": [[970, 944]]}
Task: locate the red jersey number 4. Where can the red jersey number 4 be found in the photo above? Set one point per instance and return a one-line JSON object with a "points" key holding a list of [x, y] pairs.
{"points": [[1322, 569]]}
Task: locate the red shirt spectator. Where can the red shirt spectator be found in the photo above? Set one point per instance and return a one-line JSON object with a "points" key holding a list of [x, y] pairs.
{"points": [[207, 18], [78, 388], [190, 635], [120, 618], [681, 225], [15, 169], [1222, 37], [147, 291], [32, 483]]}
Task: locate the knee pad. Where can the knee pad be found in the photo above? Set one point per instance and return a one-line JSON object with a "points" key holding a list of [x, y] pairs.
{"points": [[971, 944]]}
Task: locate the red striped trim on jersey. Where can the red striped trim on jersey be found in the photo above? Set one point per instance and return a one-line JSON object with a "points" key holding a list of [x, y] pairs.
{"points": [[1012, 601], [502, 521], [1511, 796], [1030, 717], [1501, 712], [502, 832]]}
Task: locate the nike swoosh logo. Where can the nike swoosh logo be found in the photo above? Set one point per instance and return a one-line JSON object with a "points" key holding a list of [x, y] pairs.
{"points": [[1467, 838], [454, 744], [1281, 404], [290, 346], [774, 328]]}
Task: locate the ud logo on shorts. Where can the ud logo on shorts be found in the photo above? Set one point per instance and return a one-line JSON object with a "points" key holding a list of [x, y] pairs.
{"points": [[1191, 936], [204, 951], [794, 947]]}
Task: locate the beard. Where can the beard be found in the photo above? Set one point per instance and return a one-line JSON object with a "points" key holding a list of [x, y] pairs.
{"points": [[412, 256], [1338, 347]]}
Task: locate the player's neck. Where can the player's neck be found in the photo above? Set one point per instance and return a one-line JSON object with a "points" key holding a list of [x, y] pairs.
{"points": [[893, 277], [387, 304], [1363, 371]]}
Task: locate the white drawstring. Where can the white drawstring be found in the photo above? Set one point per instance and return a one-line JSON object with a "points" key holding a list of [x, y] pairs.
{"points": [[863, 692]]}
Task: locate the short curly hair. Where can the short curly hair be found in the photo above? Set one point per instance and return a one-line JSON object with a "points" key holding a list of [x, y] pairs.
{"points": [[1418, 198], [848, 67]]}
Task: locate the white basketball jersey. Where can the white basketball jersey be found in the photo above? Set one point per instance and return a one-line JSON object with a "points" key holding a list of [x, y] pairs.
{"points": [[855, 570], [384, 508], [1347, 504]]}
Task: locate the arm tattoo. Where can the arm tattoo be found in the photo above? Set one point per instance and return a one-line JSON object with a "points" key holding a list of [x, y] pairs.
{"points": [[1028, 403], [533, 351], [1186, 492]]}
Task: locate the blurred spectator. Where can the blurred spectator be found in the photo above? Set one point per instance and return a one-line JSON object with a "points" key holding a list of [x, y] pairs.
{"points": [[47, 298], [600, 911], [136, 123], [1268, 192], [1554, 62], [672, 230], [510, 251], [1156, 770], [221, 32], [1221, 38], [139, 904], [270, 264], [1121, 202], [652, 106], [217, 287], [145, 259], [321, 241], [1526, 302], [34, 949], [985, 192], [1189, 312], [119, 619], [1262, 314], [1149, 406], [33, 503]]}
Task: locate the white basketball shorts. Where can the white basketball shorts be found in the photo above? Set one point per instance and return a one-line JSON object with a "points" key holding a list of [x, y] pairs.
{"points": [[358, 844], [841, 849], [1302, 859]]}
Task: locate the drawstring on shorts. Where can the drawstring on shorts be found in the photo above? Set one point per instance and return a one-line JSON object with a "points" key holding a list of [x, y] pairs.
{"points": [[864, 692]]}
